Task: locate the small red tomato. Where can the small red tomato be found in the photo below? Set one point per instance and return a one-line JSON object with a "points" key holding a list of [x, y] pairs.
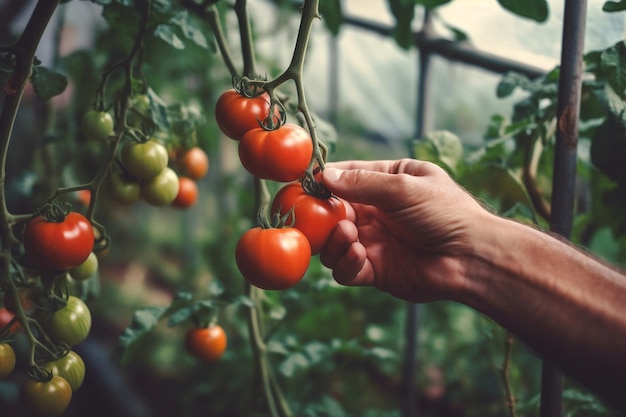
{"points": [[58, 245], [316, 217], [194, 163], [236, 114], [279, 155], [5, 318], [206, 343], [273, 259], [187, 193]]}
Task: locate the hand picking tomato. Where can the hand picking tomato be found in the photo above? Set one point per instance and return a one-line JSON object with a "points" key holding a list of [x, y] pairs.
{"points": [[162, 189], [316, 217], [187, 193], [194, 163], [206, 343], [7, 360], [58, 245], [236, 114], [273, 259], [279, 155], [69, 324], [97, 125], [47, 398], [70, 367], [144, 160]]}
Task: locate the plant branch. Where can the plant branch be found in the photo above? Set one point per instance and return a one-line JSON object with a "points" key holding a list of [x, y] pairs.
{"points": [[245, 33], [505, 373]]}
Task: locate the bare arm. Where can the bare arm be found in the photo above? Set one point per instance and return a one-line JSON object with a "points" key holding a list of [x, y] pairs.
{"points": [[416, 234]]}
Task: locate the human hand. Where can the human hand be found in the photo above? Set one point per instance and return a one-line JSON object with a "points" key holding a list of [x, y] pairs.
{"points": [[409, 229]]}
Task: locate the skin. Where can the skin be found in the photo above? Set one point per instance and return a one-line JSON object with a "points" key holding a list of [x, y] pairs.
{"points": [[413, 232]]}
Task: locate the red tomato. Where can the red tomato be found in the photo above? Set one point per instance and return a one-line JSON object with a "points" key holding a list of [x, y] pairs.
{"points": [[314, 216], [5, 318], [194, 163], [236, 114], [273, 259], [279, 155], [57, 246], [206, 343], [187, 193]]}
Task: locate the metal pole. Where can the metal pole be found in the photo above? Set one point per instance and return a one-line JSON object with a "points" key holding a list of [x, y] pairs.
{"points": [[564, 177]]}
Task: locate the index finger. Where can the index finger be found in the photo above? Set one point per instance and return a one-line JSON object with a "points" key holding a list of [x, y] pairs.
{"points": [[408, 166]]}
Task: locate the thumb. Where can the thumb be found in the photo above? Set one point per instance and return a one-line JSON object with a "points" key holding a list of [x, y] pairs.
{"points": [[362, 186]]}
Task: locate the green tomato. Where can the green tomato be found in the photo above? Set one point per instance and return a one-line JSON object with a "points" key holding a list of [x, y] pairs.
{"points": [[7, 360], [162, 190], [144, 160], [69, 324], [86, 269], [47, 398], [123, 188], [70, 367], [97, 125]]}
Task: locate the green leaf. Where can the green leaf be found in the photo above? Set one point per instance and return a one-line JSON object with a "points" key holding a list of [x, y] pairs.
{"points": [[509, 82], [614, 6], [613, 63], [48, 83], [608, 148], [431, 4], [441, 147], [536, 10], [167, 33], [404, 12], [331, 15], [143, 321], [189, 31]]}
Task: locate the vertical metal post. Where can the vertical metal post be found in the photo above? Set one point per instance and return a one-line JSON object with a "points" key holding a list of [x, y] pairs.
{"points": [[333, 88], [564, 177], [409, 400]]}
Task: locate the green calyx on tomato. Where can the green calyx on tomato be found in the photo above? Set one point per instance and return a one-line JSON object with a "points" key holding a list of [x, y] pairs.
{"points": [[69, 324], [206, 343], [57, 240], [280, 155], [97, 125], [49, 398], [70, 367], [314, 216], [144, 160], [162, 189], [273, 258]]}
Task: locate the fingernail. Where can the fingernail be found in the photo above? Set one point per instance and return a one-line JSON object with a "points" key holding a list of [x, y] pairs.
{"points": [[331, 174]]}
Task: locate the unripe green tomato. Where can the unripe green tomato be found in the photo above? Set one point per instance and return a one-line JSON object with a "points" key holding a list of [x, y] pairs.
{"points": [[123, 188], [71, 367], [162, 190], [86, 269], [7, 360], [144, 160], [97, 125]]}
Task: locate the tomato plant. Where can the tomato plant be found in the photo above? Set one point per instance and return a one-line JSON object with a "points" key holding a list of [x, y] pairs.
{"points": [[97, 125], [70, 367], [194, 163], [58, 244], [314, 216], [69, 324], [144, 160], [7, 360], [206, 343], [162, 189], [47, 398], [273, 258], [187, 193], [86, 269], [236, 114], [279, 155]]}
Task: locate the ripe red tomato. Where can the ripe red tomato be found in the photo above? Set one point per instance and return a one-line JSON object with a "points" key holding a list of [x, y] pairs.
{"points": [[314, 216], [206, 343], [194, 163], [187, 193], [273, 259], [162, 189], [7, 360], [236, 114], [70, 324], [5, 318], [57, 246], [144, 160], [279, 155], [47, 398], [70, 367]]}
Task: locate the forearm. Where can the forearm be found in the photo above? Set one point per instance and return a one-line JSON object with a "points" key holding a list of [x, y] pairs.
{"points": [[560, 302]]}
